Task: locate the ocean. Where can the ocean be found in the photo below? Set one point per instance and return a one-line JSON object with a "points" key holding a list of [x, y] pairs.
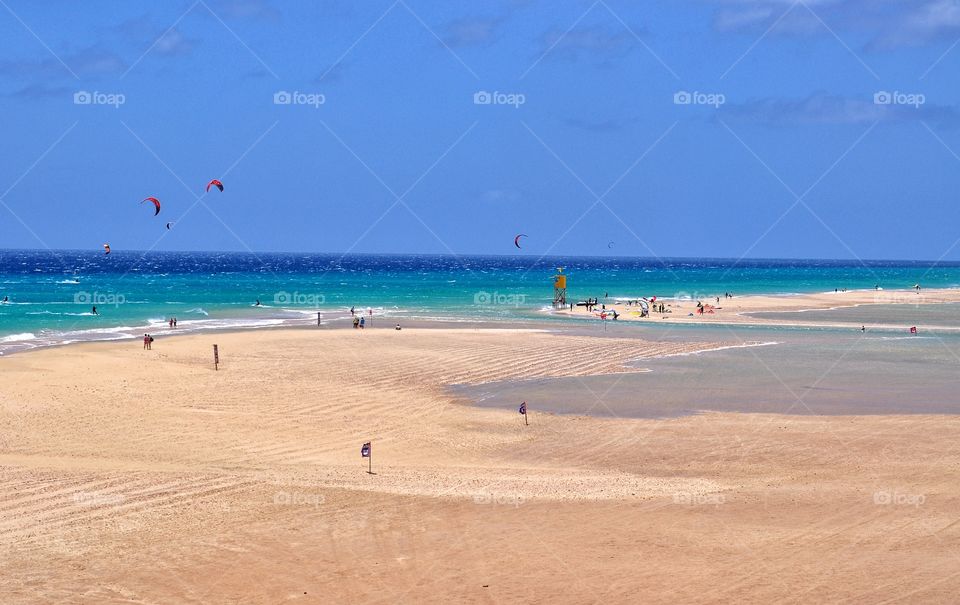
{"points": [[51, 294]]}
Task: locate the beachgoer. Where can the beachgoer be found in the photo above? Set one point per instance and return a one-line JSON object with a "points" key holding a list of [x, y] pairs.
{"points": [[361, 323], [863, 328], [146, 341], [170, 323], [174, 322], [94, 310], [150, 343], [398, 326], [351, 310], [356, 322], [258, 303]]}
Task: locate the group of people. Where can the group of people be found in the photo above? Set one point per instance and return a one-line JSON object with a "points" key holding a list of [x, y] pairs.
{"points": [[147, 342], [173, 322]]}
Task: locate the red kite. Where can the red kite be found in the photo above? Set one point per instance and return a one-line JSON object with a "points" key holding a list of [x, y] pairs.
{"points": [[156, 203], [214, 183]]}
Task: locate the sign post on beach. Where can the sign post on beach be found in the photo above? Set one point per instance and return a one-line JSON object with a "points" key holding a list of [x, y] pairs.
{"points": [[366, 451], [216, 357]]}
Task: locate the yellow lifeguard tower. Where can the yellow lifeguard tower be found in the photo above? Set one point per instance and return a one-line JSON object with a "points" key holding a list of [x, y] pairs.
{"points": [[559, 288]]}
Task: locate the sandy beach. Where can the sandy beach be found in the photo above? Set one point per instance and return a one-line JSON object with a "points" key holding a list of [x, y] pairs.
{"points": [[134, 476], [742, 309]]}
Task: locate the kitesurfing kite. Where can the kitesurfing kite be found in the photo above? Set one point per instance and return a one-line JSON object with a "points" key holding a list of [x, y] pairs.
{"points": [[610, 245], [516, 240], [156, 204], [168, 225], [106, 248], [214, 183]]}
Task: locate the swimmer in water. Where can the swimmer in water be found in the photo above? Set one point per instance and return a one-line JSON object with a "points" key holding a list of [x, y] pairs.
{"points": [[258, 303]]}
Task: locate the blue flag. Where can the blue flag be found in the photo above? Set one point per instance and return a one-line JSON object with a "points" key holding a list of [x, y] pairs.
{"points": [[523, 408], [365, 450]]}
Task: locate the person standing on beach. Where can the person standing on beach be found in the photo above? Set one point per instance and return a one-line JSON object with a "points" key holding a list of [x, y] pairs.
{"points": [[146, 342], [356, 322], [361, 322]]}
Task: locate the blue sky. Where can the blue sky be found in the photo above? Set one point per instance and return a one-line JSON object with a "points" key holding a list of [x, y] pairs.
{"points": [[786, 150]]}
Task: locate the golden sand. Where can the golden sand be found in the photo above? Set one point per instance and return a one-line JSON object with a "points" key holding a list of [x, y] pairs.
{"points": [[146, 476]]}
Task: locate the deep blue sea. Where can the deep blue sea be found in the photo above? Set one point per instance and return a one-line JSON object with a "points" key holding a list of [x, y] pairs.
{"points": [[51, 294]]}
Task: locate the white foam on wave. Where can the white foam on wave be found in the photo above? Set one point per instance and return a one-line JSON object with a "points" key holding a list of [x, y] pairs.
{"points": [[19, 337]]}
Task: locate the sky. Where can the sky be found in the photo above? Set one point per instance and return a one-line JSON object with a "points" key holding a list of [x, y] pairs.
{"points": [[688, 128]]}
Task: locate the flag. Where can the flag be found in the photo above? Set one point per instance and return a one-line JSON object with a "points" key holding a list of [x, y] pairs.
{"points": [[365, 450], [523, 408]]}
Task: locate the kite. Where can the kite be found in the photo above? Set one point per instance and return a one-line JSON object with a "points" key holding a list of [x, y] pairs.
{"points": [[156, 204], [610, 245], [106, 248], [168, 225], [214, 183], [516, 240]]}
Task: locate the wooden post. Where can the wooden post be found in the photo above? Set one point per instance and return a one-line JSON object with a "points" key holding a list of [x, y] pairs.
{"points": [[216, 357]]}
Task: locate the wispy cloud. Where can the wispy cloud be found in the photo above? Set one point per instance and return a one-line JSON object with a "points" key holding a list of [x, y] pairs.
{"points": [[827, 109], [882, 24], [246, 9], [592, 42], [172, 43], [471, 31], [92, 61]]}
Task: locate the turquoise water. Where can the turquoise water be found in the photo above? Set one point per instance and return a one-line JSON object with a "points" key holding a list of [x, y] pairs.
{"points": [[51, 294]]}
